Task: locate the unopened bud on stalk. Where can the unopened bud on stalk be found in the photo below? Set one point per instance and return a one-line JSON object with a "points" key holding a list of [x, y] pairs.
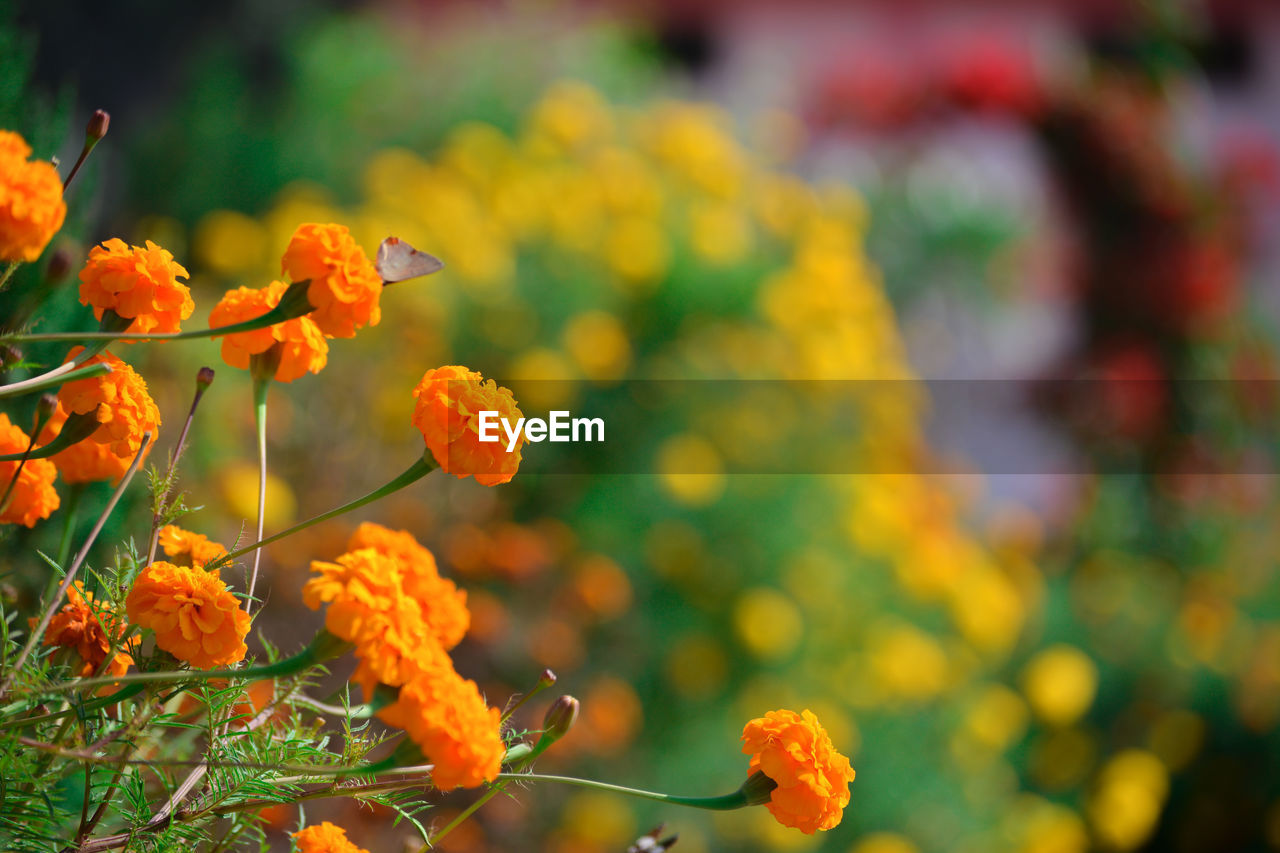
{"points": [[560, 717], [98, 124], [9, 356], [204, 379], [45, 407], [60, 263], [547, 678]]}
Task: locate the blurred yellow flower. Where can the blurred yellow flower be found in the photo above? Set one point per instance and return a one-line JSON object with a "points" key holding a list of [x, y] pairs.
{"points": [[691, 470], [230, 243], [598, 344], [1060, 683], [768, 623], [1127, 800]]}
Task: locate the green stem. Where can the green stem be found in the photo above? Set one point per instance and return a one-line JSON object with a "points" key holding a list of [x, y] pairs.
{"points": [[727, 802], [98, 704], [419, 469], [292, 304], [74, 494], [309, 656], [57, 376], [261, 386], [8, 271]]}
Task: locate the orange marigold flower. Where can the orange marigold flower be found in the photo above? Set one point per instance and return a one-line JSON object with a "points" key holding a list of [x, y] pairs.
{"points": [[325, 838], [450, 400], [303, 348], [445, 715], [128, 412], [345, 285], [194, 615], [31, 205], [136, 282], [812, 778], [186, 548], [444, 606], [33, 496], [368, 606], [77, 626]]}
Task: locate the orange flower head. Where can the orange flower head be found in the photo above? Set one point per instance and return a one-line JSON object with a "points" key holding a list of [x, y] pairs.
{"points": [[141, 283], [812, 778], [31, 205], [194, 615], [127, 412], [368, 606], [33, 497], [325, 838], [78, 626], [445, 715], [186, 548], [444, 606], [345, 285], [303, 348], [450, 400]]}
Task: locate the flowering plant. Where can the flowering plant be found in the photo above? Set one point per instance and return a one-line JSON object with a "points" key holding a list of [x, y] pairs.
{"points": [[142, 680]]}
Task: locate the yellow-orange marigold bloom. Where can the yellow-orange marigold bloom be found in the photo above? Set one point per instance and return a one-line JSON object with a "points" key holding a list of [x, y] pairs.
{"points": [[194, 615], [444, 606], [31, 205], [137, 282], [368, 606], [303, 348], [33, 496], [77, 626], [127, 412], [812, 777], [445, 715], [325, 838], [186, 548], [345, 285], [450, 400]]}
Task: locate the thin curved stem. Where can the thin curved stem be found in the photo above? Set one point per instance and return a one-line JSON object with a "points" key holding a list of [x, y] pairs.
{"points": [[419, 469], [261, 386], [57, 376], [727, 802], [287, 666]]}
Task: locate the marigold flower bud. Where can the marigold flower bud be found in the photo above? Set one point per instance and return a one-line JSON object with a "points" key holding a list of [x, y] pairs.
{"points": [[299, 343], [33, 496], [204, 378], [560, 717], [9, 356], [125, 411], [195, 617], [450, 400], [795, 752], [345, 285], [136, 283], [97, 128], [60, 263], [325, 838], [31, 205]]}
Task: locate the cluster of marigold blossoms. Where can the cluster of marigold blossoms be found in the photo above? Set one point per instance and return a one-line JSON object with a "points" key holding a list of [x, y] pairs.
{"points": [[387, 598], [384, 596]]}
